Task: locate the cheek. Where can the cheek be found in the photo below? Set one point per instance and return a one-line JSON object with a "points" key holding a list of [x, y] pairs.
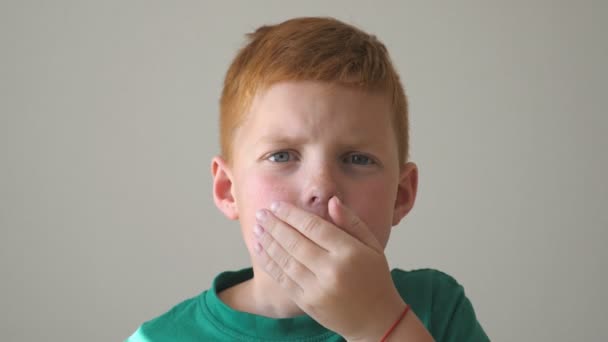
{"points": [[258, 191], [374, 203]]}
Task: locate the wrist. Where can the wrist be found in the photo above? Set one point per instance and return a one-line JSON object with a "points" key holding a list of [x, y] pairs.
{"points": [[381, 320], [395, 325]]}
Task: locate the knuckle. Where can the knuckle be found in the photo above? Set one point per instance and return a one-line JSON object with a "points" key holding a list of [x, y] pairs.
{"points": [[272, 248], [270, 224], [355, 223], [311, 225], [270, 267], [334, 280], [299, 292], [292, 245], [347, 255], [275, 272], [281, 278], [284, 211], [288, 264], [329, 276]]}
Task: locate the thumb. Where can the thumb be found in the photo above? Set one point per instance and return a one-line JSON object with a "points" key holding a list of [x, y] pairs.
{"points": [[346, 219]]}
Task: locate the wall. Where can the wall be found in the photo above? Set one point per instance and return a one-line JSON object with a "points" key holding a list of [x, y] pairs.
{"points": [[108, 121]]}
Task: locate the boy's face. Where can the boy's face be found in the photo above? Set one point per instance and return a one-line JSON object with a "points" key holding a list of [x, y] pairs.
{"points": [[304, 142]]}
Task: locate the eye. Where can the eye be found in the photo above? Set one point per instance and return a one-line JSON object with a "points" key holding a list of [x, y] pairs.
{"points": [[358, 159], [280, 157]]}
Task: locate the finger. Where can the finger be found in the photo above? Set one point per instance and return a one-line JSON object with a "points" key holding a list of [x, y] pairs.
{"points": [[282, 267], [316, 229], [298, 245], [345, 218], [275, 272]]}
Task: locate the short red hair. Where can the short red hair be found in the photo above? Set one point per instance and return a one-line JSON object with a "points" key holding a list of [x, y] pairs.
{"points": [[311, 49]]}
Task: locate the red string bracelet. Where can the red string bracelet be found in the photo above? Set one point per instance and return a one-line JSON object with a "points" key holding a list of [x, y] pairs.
{"points": [[407, 307]]}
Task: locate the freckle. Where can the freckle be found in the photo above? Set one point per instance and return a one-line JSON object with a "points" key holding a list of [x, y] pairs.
{"points": [[279, 189], [279, 192]]}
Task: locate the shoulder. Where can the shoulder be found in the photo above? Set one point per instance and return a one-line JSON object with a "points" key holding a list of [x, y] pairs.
{"points": [[423, 274], [171, 324], [427, 283], [426, 289], [441, 303]]}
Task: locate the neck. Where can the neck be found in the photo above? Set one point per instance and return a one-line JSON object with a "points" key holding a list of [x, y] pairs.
{"points": [[260, 295]]}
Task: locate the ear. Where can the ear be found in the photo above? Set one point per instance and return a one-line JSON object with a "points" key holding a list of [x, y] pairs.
{"points": [[222, 188], [406, 191]]}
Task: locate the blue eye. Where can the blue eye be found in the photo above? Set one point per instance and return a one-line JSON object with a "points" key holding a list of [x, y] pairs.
{"points": [[358, 159], [280, 157]]}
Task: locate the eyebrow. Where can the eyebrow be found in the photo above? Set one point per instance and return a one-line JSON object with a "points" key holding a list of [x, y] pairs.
{"points": [[299, 140], [280, 140]]}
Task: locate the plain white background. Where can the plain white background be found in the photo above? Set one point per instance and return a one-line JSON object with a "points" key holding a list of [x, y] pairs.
{"points": [[108, 121]]}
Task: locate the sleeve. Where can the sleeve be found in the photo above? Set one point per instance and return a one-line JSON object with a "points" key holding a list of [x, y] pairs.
{"points": [[157, 330], [453, 317], [138, 336]]}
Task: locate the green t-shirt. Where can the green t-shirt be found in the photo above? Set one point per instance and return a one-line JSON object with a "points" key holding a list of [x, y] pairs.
{"points": [[436, 298]]}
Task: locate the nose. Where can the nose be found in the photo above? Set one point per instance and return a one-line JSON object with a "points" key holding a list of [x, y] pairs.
{"points": [[318, 189]]}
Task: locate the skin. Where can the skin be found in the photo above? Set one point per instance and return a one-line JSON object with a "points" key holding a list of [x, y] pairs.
{"points": [[316, 185]]}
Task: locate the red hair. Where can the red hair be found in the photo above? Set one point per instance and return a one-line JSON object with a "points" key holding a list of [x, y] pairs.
{"points": [[311, 49]]}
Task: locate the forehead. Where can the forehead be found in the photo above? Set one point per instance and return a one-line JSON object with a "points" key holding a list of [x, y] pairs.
{"points": [[312, 107]]}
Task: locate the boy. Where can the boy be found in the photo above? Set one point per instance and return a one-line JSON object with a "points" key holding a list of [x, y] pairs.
{"points": [[314, 165]]}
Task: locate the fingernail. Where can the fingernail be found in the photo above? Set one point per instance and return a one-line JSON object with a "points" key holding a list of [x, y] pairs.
{"points": [[274, 207], [257, 248], [338, 200], [261, 215], [258, 230]]}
